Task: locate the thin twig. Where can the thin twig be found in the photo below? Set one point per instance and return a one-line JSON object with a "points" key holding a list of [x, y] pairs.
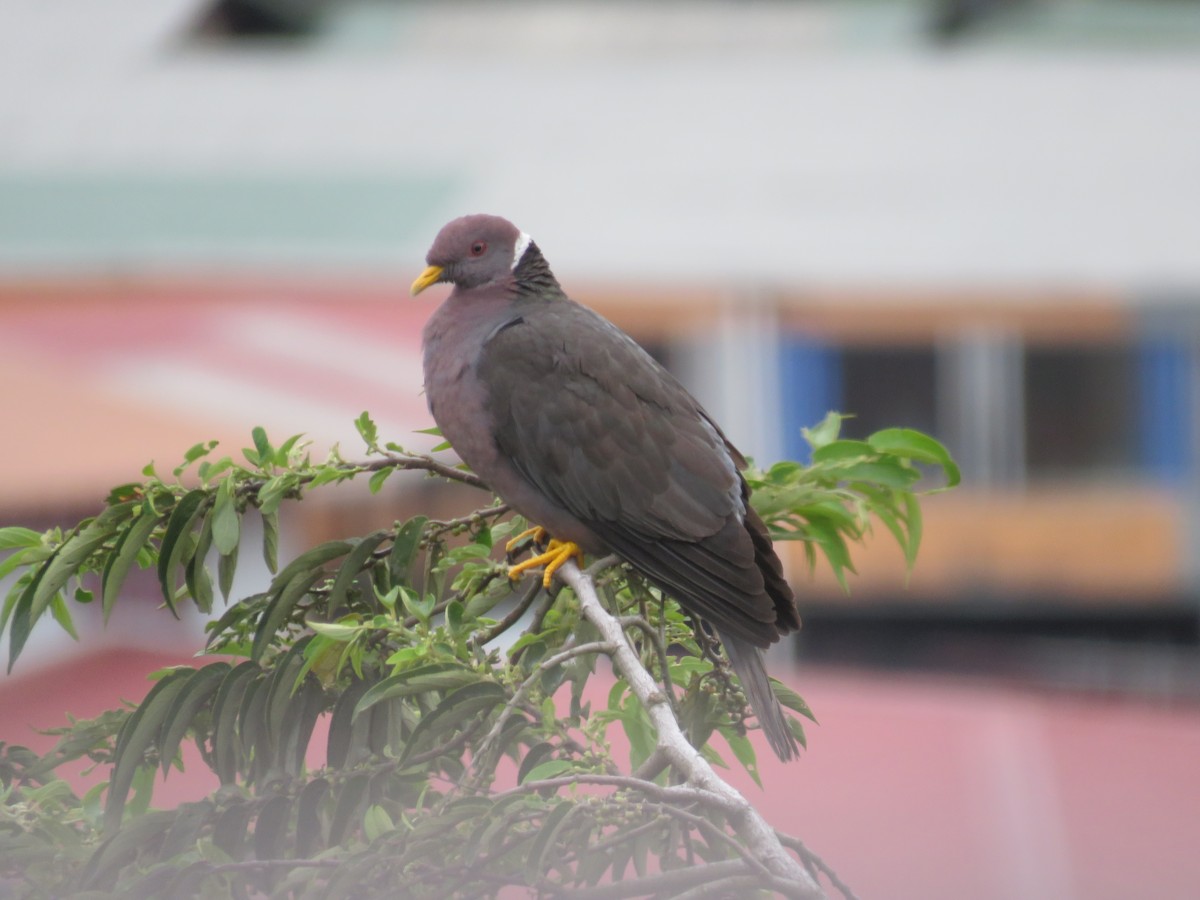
{"points": [[663, 884], [440, 526], [483, 754], [654, 636], [415, 462], [254, 865], [539, 615], [817, 863], [676, 793], [716, 834], [509, 620]]}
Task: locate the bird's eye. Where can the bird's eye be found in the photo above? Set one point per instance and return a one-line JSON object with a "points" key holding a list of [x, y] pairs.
{"points": [[479, 248]]}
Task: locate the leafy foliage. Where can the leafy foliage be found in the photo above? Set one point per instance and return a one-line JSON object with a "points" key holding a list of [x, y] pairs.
{"points": [[449, 765]]}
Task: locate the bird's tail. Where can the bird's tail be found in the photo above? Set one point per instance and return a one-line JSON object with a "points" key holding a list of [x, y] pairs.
{"points": [[747, 661]]}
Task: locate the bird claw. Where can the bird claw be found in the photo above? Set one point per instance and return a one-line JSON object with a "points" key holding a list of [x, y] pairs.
{"points": [[556, 555], [535, 536]]}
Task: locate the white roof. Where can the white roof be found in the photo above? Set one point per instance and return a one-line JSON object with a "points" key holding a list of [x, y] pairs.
{"points": [[743, 142]]}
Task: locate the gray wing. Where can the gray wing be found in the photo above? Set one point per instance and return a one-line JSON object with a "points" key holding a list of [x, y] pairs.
{"points": [[601, 429]]}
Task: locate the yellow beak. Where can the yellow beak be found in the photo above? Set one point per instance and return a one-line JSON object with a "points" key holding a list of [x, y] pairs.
{"points": [[426, 278]]}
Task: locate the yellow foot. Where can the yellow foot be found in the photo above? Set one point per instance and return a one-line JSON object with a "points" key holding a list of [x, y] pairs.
{"points": [[556, 555], [517, 545]]}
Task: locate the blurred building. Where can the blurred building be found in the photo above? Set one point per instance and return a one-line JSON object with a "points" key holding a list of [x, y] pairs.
{"points": [[975, 219]]}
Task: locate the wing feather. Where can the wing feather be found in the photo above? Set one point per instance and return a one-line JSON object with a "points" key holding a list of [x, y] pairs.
{"points": [[599, 428]]}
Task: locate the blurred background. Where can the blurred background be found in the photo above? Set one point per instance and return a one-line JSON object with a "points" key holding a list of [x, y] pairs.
{"points": [[980, 218]]}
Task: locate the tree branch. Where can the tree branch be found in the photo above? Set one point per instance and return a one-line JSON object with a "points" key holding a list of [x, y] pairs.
{"points": [[411, 461], [483, 754], [760, 838], [672, 883]]}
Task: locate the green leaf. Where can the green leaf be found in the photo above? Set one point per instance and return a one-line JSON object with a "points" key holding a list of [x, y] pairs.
{"points": [[796, 727], [552, 768], [14, 561], [378, 478], [454, 617], [274, 490], [229, 832], [226, 749], [279, 609], [337, 631], [253, 742], [744, 751], [837, 451], [51, 577], [825, 432], [888, 517], [209, 470], [367, 430], [194, 453], [887, 473], [377, 822], [262, 446], [638, 729], [15, 536], [912, 509], [119, 848], [199, 688], [535, 865], [181, 521], [309, 837], [58, 609], [341, 725], [124, 555], [533, 757], [195, 573], [405, 548], [352, 799], [226, 569], [419, 606], [300, 716], [280, 695], [351, 568], [270, 524], [289, 586], [456, 711], [433, 677], [185, 829], [833, 545], [908, 443], [135, 739], [271, 831], [225, 524], [284, 451], [789, 699]]}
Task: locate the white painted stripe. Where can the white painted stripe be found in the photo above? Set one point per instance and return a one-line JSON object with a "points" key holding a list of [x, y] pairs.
{"points": [[324, 345], [1023, 806], [173, 383]]}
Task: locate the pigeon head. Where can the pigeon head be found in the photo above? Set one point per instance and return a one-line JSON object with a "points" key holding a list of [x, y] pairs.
{"points": [[473, 251]]}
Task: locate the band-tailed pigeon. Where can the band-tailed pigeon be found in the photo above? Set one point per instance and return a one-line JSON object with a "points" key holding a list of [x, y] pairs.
{"points": [[584, 433]]}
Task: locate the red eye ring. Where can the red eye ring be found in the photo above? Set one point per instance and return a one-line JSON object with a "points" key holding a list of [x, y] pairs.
{"points": [[479, 248]]}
